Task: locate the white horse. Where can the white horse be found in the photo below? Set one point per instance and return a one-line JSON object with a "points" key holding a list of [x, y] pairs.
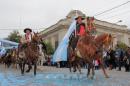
{"points": [[42, 55]]}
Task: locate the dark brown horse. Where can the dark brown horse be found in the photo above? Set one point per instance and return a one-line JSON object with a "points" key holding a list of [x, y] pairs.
{"points": [[73, 60], [90, 48], [6, 59], [29, 54]]}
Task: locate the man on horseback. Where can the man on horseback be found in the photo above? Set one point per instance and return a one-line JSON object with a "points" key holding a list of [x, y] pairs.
{"points": [[28, 34], [28, 50], [80, 30], [86, 46], [26, 39]]}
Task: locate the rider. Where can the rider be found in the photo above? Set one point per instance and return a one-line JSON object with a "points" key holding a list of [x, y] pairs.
{"points": [[28, 35], [80, 30], [24, 41]]}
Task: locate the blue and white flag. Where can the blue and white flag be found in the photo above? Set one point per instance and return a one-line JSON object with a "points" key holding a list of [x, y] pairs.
{"points": [[61, 52], [2, 51]]}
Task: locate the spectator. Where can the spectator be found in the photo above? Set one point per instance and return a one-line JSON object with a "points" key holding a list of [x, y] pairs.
{"points": [[112, 59], [49, 61], [96, 64], [126, 63], [105, 55], [127, 60], [119, 55]]}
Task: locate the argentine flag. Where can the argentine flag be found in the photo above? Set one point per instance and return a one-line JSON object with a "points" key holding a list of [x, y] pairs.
{"points": [[2, 51], [61, 52]]}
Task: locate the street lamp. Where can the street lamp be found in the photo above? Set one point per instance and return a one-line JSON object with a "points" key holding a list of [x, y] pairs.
{"points": [[119, 21]]}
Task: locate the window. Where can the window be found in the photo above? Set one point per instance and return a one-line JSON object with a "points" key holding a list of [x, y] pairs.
{"points": [[120, 38], [56, 44]]}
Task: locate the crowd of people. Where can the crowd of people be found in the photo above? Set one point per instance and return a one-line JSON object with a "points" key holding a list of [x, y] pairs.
{"points": [[117, 58], [113, 59]]}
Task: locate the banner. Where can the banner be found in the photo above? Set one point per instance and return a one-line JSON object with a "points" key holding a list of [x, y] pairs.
{"points": [[61, 52]]}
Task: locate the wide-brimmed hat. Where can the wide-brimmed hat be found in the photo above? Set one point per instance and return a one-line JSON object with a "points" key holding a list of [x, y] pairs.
{"points": [[80, 17], [27, 29]]}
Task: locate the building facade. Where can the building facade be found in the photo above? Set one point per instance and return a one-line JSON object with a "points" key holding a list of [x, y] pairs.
{"points": [[56, 32]]}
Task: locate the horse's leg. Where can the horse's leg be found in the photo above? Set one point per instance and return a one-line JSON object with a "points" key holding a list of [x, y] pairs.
{"points": [[70, 65], [88, 73], [103, 68], [74, 66], [35, 67], [5, 65], [29, 67], [40, 62], [93, 73], [21, 67], [90, 66], [79, 68]]}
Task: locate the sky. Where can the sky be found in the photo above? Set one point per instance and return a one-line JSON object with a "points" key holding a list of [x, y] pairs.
{"points": [[40, 14]]}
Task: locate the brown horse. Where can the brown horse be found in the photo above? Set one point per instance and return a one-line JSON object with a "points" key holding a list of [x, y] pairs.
{"points": [[90, 48], [29, 54], [6, 59]]}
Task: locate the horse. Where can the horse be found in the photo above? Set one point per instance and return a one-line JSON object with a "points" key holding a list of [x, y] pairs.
{"points": [[73, 61], [6, 59], [42, 52], [29, 54], [90, 48]]}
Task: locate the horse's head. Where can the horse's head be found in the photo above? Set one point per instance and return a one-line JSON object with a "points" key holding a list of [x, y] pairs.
{"points": [[36, 38], [104, 40], [107, 40]]}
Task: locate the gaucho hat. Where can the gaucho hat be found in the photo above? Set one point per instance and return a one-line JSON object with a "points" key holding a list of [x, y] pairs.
{"points": [[27, 29], [82, 17]]}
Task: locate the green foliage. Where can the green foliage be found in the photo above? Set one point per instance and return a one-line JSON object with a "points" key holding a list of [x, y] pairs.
{"points": [[13, 36], [122, 45], [50, 49]]}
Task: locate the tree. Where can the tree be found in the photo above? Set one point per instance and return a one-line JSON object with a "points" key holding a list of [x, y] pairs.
{"points": [[122, 45], [13, 36], [50, 49]]}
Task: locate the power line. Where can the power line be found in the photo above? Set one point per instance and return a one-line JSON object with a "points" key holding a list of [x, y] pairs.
{"points": [[111, 9], [123, 13], [19, 29]]}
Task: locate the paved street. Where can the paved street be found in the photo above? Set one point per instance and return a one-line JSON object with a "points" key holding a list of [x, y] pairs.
{"points": [[48, 76]]}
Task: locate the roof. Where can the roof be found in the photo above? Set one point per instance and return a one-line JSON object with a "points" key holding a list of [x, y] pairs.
{"points": [[75, 13]]}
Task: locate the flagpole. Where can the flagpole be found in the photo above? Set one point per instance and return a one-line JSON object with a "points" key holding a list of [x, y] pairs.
{"points": [[76, 16]]}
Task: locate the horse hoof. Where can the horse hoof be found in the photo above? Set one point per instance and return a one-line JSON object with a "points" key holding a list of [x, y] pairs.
{"points": [[91, 78], [107, 77], [81, 73], [74, 70], [27, 71]]}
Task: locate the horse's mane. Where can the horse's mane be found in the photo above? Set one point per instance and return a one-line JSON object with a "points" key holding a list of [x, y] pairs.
{"points": [[87, 39], [101, 37]]}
